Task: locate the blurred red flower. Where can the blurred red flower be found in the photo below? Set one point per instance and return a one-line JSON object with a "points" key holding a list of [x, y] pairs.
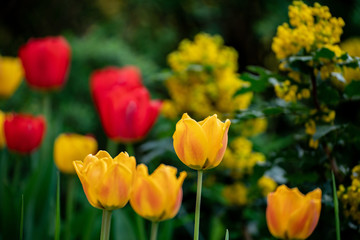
{"points": [[46, 62], [126, 111], [23, 132]]}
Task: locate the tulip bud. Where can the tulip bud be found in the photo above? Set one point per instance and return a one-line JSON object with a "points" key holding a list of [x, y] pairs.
{"points": [[201, 145], [158, 196], [46, 62], [69, 147], [292, 215], [24, 133], [106, 181], [11, 74]]}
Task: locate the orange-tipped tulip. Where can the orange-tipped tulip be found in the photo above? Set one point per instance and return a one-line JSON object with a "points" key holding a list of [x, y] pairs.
{"points": [[158, 196], [201, 145], [2, 135], [106, 181], [69, 147], [11, 74], [292, 215]]}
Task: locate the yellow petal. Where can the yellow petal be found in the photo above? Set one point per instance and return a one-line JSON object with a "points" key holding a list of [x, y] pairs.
{"points": [[190, 143], [114, 191], [147, 197]]}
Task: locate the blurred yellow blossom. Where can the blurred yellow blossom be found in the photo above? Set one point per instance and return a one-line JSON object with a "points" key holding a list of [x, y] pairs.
{"points": [[352, 47], [236, 194], [266, 185], [310, 28], [240, 158], [350, 196], [11, 74], [204, 79], [253, 127]]}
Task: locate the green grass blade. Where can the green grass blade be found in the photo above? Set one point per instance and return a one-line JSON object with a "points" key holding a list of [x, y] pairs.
{"points": [[57, 217], [336, 207], [227, 234]]}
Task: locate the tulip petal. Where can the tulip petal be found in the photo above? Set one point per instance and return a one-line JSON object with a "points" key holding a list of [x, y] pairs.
{"points": [[190, 143], [216, 133]]}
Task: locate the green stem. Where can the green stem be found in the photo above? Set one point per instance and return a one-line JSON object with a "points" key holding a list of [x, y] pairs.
{"points": [[140, 226], [197, 209], [17, 170], [105, 226], [336, 207], [111, 147], [69, 205], [154, 230], [22, 218], [130, 149], [57, 218], [46, 105]]}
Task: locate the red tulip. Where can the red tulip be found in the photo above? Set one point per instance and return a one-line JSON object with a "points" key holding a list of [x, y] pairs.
{"points": [[126, 111], [23, 133], [104, 80], [46, 62]]}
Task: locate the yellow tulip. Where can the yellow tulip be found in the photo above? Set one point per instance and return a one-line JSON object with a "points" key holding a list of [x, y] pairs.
{"points": [[292, 215], [69, 147], [11, 74], [106, 181], [158, 196], [201, 145], [2, 135]]}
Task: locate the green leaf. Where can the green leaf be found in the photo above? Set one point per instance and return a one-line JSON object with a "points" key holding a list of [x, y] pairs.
{"points": [[57, 218], [336, 207], [273, 111], [324, 129], [352, 89], [227, 234], [324, 53], [22, 217], [328, 94]]}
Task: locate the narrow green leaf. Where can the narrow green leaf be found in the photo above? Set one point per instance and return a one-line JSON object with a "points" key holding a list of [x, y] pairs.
{"points": [[57, 217], [22, 217], [336, 207], [227, 234], [325, 129], [352, 89]]}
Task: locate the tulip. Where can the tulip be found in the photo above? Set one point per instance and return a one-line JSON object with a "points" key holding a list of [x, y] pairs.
{"points": [[158, 196], [292, 215], [201, 145], [2, 135], [46, 62], [126, 111], [11, 74], [106, 181], [24, 133], [104, 80], [69, 147]]}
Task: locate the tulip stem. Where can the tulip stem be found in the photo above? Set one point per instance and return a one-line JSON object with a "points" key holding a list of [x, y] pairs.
{"points": [[336, 207], [69, 206], [130, 149], [154, 230], [197, 209], [111, 147], [105, 226]]}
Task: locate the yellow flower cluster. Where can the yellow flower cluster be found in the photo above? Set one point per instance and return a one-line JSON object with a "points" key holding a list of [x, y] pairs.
{"points": [[236, 194], [266, 185], [204, 79], [352, 47], [350, 196], [240, 158], [290, 92], [324, 115], [310, 28], [253, 127]]}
